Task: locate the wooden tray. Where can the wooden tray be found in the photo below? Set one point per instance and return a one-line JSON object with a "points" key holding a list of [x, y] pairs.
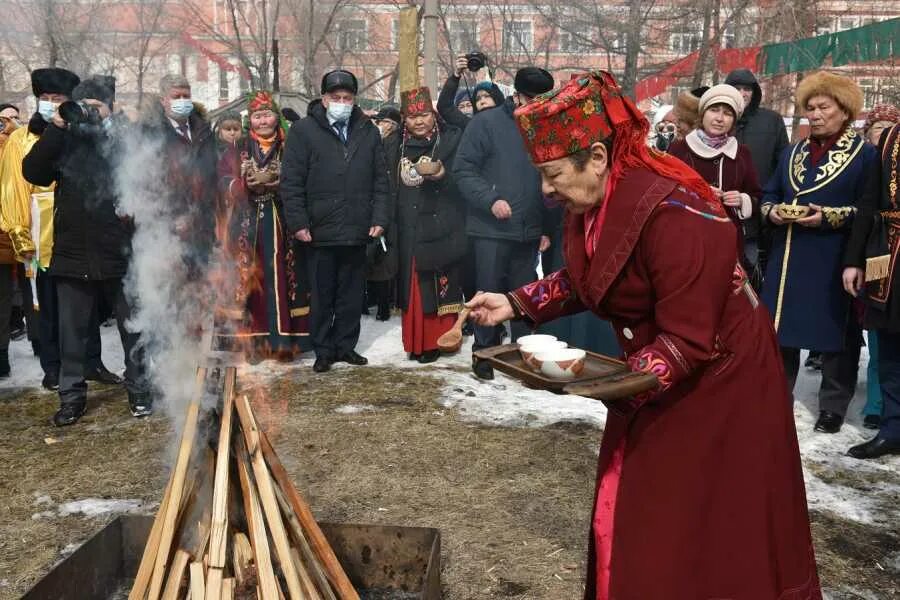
{"points": [[603, 378]]}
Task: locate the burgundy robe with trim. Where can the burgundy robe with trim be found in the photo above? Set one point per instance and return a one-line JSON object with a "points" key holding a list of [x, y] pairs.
{"points": [[700, 491]]}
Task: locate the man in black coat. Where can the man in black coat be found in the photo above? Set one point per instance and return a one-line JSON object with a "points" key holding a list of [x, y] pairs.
{"points": [[91, 244], [507, 219], [334, 188]]}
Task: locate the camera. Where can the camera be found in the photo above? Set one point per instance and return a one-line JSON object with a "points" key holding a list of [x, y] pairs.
{"points": [[475, 61], [76, 113]]}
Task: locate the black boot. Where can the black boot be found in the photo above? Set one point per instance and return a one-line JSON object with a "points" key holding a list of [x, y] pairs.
{"points": [[101, 374], [352, 358], [69, 413], [874, 448], [829, 422], [872, 421], [4, 364], [429, 356], [322, 365], [140, 403], [51, 382], [384, 312], [482, 369]]}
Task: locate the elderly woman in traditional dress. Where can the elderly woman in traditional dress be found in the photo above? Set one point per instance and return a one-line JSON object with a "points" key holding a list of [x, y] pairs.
{"points": [[700, 489], [824, 174], [271, 293], [430, 225]]}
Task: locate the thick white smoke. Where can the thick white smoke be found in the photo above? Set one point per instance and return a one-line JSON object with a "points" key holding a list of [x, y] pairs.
{"points": [[173, 303]]}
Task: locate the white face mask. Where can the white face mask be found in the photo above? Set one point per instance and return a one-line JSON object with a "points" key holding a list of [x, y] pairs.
{"points": [[339, 112], [47, 109], [182, 107]]}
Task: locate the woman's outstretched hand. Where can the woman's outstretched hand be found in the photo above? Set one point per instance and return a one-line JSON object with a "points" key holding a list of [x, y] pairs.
{"points": [[490, 309]]}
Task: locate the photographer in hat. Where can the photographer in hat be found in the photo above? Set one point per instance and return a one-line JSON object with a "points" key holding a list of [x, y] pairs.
{"points": [[91, 244], [334, 188], [458, 106], [507, 221]]}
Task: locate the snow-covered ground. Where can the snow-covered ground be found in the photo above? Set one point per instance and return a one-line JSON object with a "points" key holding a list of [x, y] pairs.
{"points": [[506, 402]]}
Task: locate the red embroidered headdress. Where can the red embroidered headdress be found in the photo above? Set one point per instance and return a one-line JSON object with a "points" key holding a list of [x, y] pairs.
{"points": [[591, 108], [416, 101], [261, 100]]}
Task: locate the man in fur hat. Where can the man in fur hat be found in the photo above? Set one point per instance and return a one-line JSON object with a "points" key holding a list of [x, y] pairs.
{"points": [[26, 216], [91, 244]]}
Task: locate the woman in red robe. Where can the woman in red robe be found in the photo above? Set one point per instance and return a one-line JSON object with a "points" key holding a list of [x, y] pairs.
{"points": [[700, 490]]}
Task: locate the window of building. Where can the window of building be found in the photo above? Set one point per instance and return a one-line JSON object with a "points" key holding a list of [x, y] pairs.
{"points": [[576, 38], [352, 35], [871, 90], [844, 23], [685, 42], [517, 36], [223, 84], [464, 35]]}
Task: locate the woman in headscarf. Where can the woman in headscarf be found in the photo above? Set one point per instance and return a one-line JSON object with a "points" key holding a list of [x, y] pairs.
{"points": [[727, 166], [271, 297], [824, 174], [690, 503], [881, 117], [430, 225]]}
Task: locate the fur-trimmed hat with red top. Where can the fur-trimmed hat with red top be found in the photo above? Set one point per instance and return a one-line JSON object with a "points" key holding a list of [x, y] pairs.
{"points": [[416, 101], [592, 108]]}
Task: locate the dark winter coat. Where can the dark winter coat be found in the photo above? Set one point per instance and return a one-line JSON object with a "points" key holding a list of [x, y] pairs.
{"points": [[191, 176], [446, 103], [338, 192], [760, 129], [90, 242], [430, 223], [879, 205], [492, 164], [381, 265]]}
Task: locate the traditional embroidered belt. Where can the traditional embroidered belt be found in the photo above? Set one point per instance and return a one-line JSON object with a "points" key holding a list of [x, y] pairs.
{"points": [[891, 215]]}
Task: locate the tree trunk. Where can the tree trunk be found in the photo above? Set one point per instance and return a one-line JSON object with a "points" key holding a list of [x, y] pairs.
{"points": [[632, 46]]}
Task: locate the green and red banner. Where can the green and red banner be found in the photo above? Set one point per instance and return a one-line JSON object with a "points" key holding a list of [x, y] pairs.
{"points": [[870, 43]]}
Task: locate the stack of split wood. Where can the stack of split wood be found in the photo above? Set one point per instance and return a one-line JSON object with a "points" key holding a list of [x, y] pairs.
{"points": [[231, 524]]}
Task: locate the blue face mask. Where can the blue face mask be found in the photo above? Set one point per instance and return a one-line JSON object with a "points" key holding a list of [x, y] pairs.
{"points": [[339, 112], [182, 108], [46, 109]]}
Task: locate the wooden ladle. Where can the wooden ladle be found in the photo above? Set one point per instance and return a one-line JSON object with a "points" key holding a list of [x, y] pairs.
{"points": [[452, 340]]}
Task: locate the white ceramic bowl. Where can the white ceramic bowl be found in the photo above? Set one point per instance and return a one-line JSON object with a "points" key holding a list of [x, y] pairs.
{"points": [[529, 350], [561, 364], [528, 340]]}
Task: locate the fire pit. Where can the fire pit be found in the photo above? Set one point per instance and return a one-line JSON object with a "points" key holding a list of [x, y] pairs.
{"points": [[382, 562]]}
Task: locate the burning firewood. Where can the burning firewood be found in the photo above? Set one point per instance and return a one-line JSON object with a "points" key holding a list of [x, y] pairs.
{"points": [[231, 524]]}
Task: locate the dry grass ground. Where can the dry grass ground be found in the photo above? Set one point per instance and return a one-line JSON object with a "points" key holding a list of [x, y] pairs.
{"points": [[512, 504]]}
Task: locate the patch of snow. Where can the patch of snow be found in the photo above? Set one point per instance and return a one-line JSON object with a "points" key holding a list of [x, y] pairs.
{"points": [[47, 514], [352, 409], [94, 507], [42, 499]]}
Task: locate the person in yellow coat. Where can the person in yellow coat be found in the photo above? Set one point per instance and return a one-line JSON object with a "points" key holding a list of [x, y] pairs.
{"points": [[26, 217]]}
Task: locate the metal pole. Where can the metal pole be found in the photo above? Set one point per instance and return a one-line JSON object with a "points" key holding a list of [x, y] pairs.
{"points": [[431, 43]]}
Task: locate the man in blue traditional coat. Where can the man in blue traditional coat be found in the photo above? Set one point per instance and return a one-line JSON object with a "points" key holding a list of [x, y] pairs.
{"points": [[811, 201]]}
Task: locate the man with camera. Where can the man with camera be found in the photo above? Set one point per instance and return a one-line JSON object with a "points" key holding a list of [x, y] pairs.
{"points": [[483, 96], [26, 208], [507, 221], [91, 243], [334, 188]]}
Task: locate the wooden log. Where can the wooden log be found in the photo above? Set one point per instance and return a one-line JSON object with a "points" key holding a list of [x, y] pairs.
{"points": [[176, 575], [305, 551], [333, 569], [228, 588], [188, 436], [218, 539], [305, 580], [259, 540], [214, 579], [241, 558], [268, 501], [198, 581], [145, 570]]}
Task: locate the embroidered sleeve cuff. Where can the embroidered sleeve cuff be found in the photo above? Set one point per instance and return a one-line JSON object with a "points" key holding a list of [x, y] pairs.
{"points": [[836, 217], [663, 359], [546, 299], [21, 242]]}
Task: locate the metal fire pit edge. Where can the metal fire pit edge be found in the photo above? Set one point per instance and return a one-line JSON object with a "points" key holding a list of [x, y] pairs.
{"points": [[375, 557]]}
